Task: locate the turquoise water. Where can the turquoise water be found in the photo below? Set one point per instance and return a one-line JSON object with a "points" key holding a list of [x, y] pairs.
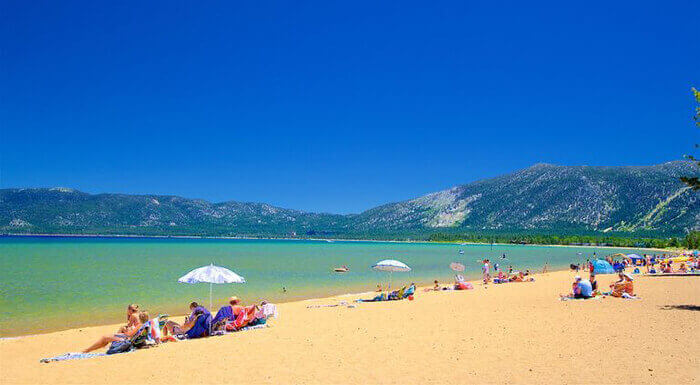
{"points": [[52, 283]]}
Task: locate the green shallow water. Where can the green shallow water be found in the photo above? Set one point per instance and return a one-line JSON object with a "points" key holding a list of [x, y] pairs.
{"points": [[54, 283]]}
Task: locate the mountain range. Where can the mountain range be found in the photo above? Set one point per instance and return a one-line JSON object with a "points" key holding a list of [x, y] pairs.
{"points": [[543, 197]]}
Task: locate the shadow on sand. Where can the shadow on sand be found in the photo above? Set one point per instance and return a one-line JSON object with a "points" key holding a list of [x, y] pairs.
{"points": [[681, 307]]}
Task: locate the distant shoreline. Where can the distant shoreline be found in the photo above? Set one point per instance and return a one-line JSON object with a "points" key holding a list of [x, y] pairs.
{"points": [[329, 240]]}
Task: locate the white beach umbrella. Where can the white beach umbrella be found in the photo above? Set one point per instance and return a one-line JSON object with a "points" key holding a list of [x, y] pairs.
{"points": [[211, 274], [456, 266], [391, 265]]}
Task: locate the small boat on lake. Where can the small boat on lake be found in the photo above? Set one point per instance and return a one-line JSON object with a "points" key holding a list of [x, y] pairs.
{"points": [[342, 269]]}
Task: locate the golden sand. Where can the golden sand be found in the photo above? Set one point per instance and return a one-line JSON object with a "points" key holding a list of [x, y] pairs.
{"points": [[511, 333]]}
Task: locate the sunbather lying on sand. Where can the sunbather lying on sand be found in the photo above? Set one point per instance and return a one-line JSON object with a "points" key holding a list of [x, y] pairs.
{"points": [[128, 333]]}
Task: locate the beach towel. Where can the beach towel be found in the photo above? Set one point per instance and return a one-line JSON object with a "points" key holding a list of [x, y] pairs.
{"points": [[378, 298], [253, 327], [269, 310], [155, 331], [71, 356], [466, 286], [226, 312], [246, 316], [577, 299], [202, 325]]}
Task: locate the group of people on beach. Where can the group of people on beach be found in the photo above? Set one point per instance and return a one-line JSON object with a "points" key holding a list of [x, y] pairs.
{"points": [[503, 277], [406, 292], [650, 262], [588, 288], [140, 329]]}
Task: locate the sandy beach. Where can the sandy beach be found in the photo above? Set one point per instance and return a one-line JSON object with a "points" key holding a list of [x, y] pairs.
{"points": [[511, 333]]}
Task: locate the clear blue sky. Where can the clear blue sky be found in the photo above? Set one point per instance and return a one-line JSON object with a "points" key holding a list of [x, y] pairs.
{"points": [[337, 106]]}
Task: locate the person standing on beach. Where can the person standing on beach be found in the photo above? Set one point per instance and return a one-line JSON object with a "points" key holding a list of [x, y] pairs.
{"points": [[485, 271]]}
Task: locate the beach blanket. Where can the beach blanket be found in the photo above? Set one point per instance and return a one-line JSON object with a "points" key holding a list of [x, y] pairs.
{"points": [[71, 356], [253, 327], [580, 299]]}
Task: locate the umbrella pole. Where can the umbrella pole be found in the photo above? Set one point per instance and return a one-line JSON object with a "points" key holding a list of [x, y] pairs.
{"points": [[211, 304]]}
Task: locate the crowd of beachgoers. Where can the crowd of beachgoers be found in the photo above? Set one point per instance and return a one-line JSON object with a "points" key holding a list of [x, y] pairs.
{"points": [[626, 266], [143, 331]]}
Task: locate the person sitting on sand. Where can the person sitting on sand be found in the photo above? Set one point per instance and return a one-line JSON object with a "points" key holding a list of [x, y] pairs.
{"points": [[623, 285], [437, 285], [594, 283], [228, 313], [379, 288], [683, 268], [132, 318], [397, 294], [196, 325], [129, 332], [580, 289]]}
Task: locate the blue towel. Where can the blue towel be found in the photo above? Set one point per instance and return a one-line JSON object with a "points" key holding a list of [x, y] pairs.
{"points": [[224, 312], [202, 325], [71, 356]]}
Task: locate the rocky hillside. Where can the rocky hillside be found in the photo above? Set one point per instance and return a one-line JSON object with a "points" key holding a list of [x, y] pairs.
{"points": [[546, 196], [542, 197]]}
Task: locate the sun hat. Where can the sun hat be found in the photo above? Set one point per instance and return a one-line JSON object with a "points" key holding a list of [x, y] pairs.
{"points": [[234, 299], [578, 277]]}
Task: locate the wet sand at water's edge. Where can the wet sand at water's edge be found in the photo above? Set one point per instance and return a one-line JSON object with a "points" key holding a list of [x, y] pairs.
{"points": [[510, 333]]}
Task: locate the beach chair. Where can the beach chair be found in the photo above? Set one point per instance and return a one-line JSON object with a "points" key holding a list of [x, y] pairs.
{"points": [[137, 341], [410, 291]]}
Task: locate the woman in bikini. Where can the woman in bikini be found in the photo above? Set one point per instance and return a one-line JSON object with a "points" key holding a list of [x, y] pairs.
{"points": [[136, 319], [132, 318]]}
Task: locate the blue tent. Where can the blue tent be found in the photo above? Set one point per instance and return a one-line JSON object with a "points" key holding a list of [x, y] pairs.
{"points": [[601, 266]]}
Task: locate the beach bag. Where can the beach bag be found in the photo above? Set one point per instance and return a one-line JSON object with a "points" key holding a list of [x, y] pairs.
{"points": [[119, 347]]}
